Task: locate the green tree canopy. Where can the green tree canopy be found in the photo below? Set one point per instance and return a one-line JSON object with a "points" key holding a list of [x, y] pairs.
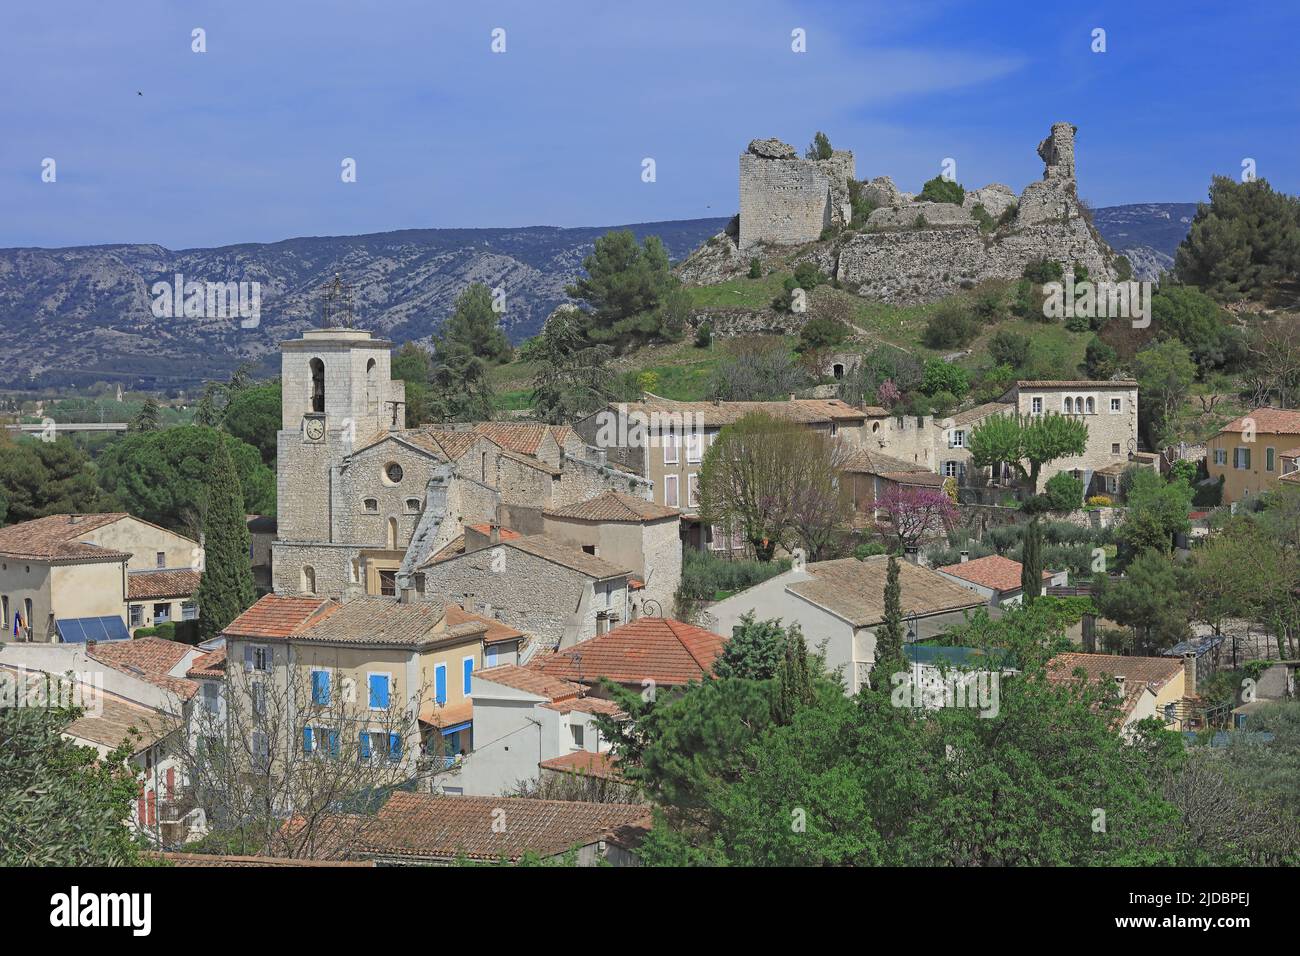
{"points": [[625, 286], [39, 478], [755, 649], [253, 416], [226, 587], [475, 327], [1026, 444]]}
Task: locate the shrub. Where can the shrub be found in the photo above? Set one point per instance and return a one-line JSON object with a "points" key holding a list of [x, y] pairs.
{"points": [[1008, 215], [755, 268], [941, 376], [820, 147], [942, 190], [808, 276], [1044, 270], [704, 335], [949, 326], [862, 207], [1063, 491], [1208, 496], [981, 215], [1010, 348], [1100, 501], [704, 575], [869, 549]]}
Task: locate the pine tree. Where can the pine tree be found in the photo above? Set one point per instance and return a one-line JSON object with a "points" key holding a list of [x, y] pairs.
{"points": [[794, 685], [226, 587], [149, 418], [889, 638], [1031, 563]]}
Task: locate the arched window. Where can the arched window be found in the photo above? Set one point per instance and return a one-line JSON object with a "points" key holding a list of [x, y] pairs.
{"points": [[392, 534], [1092, 406], [308, 579], [317, 385], [1069, 405]]}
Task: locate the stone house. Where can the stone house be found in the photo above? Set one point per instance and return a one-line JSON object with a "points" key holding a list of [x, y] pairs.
{"points": [[555, 592], [101, 576], [842, 603], [631, 532], [1253, 452], [870, 474]]}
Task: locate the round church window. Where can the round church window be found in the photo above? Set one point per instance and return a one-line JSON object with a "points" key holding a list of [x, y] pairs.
{"points": [[393, 471]]}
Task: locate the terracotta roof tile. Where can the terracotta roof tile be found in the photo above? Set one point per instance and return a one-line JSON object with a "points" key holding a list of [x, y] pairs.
{"points": [[151, 659], [163, 583], [585, 763], [614, 506], [529, 681], [864, 461], [275, 615], [55, 537], [993, 571], [211, 664], [497, 631], [660, 649], [436, 826], [808, 411], [1268, 421], [1153, 671], [522, 437], [585, 705], [1080, 383]]}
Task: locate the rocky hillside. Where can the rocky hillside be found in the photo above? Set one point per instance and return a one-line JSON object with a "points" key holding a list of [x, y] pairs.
{"points": [[1146, 233], [79, 315]]}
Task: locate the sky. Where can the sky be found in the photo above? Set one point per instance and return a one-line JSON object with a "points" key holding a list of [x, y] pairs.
{"points": [[155, 143]]}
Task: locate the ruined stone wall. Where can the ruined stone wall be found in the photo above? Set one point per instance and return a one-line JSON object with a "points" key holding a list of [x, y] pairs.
{"points": [[785, 200]]}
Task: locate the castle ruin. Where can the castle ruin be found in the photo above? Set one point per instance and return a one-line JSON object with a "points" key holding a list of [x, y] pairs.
{"points": [[785, 200]]}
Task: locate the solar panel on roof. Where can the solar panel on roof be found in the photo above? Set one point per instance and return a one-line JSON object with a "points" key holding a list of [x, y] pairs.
{"points": [[79, 630]]}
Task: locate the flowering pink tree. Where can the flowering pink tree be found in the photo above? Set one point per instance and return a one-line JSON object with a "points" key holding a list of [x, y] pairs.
{"points": [[912, 513], [888, 394]]}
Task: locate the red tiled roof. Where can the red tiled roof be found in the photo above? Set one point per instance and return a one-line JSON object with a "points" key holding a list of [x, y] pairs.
{"points": [[437, 826], [1268, 421], [276, 615], [485, 528], [584, 705], [522, 437], [149, 658], [614, 506], [993, 571], [660, 649], [1153, 671], [211, 664], [55, 538], [528, 680], [164, 583], [497, 631], [585, 763]]}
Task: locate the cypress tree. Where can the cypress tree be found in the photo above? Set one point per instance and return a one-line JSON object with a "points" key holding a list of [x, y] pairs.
{"points": [[889, 637], [226, 588], [1031, 563]]}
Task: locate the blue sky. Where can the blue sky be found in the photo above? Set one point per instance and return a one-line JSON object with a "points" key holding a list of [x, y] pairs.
{"points": [[244, 143]]}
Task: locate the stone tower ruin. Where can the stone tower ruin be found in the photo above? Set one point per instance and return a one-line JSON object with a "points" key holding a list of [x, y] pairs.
{"points": [[785, 200]]}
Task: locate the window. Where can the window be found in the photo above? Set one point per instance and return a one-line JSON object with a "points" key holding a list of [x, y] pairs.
{"points": [[261, 750], [189, 611], [258, 691], [160, 559], [1036, 406], [137, 613], [379, 690], [694, 446], [1114, 448], [320, 741], [308, 579], [1241, 458], [1117, 404], [372, 745], [211, 694], [413, 505], [576, 731], [388, 583], [1092, 407], [1068, 405], [257, 657], [670, 490], [957, 439], [320, 688], [392, 534], [951, 469], [371, 505], [467, 671], [670, 448], [589, 549], [393, 472], [692, 490], [162, 613], [1268, 459], [440, 683], [835, 429], [1220, 456]]}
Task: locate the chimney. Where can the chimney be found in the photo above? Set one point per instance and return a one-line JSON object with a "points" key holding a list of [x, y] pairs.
{"points": [[965, 556], [1119, 684], [1189, 674], [792, 396], [405, 595], [494, 533]]}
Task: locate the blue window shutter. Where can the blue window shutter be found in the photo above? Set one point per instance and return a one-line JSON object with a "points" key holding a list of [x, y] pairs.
{"points": [[440, 683], [469, 670], [378, 690], [320, 687], [334, 743], [364, 740], [248, 657], [306, 740], [394, 747]]}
